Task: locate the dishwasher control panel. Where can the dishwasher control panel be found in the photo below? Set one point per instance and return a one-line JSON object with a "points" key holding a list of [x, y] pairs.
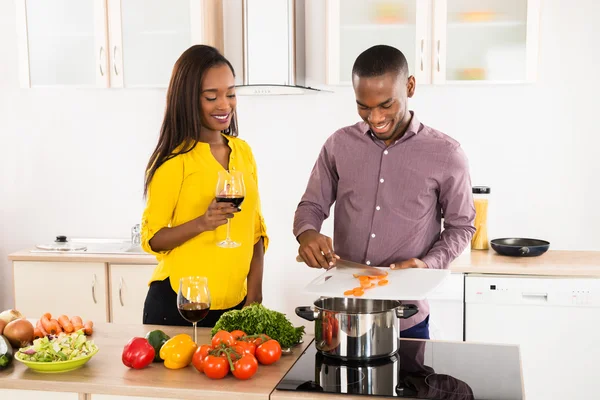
{"points": [[534, 290]]}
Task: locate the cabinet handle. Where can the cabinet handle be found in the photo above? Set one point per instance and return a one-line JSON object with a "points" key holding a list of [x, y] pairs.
{"points": [[101, 56], [121, 292], [422, 45], [94, 290], [438, 56], [114, 60]]}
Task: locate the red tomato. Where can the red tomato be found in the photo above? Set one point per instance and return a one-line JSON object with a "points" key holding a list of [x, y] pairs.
{"points": [[245, 367], [260, 340], [268, 352], [238, 334], [222, 337], [215, 367], [199, 356], [245, 347]]}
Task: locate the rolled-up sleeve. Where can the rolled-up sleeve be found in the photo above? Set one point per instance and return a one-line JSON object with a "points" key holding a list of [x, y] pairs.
{"points": [[316, 202], [456, 199], [163, 193], [260, 228]]}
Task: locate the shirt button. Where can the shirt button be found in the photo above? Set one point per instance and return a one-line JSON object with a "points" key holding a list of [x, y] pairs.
{"points": [[378, 208], [385, 152], [368, 262], [372, 235], [381, 180]]}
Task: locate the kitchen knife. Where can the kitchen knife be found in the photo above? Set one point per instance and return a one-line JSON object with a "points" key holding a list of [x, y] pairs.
{"points": [[361, 269]]}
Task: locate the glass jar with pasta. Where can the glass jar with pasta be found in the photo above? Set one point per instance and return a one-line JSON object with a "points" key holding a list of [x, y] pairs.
{"points": [[481, 196]]}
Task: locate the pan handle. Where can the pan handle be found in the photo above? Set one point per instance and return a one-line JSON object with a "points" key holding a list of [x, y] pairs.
{"points": [[307, 313], [406, 311], [524, 251]]}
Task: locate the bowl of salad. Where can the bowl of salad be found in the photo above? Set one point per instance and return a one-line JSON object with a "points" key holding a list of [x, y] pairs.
{"points": [[58, 353]]}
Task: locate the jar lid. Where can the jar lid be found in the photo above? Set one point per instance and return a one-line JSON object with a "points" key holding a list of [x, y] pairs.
{"points": [[481, 190]]}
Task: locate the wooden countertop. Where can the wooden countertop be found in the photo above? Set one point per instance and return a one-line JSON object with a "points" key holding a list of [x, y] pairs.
{"points": [[106, 374], [551, 263], [27, 255]]}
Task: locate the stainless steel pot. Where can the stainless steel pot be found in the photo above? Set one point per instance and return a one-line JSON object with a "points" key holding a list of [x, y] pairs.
{"points": [[357, 329]]}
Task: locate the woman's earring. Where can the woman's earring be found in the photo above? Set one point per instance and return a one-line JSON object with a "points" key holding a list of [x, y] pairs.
{"points": [[227, 131]]}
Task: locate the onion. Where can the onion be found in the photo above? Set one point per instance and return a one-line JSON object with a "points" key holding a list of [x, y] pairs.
{"points": [[2, 325], [10, 315], [19, 332]]}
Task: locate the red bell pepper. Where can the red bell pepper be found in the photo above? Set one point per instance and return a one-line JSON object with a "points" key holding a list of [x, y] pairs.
{"points": [[138, 353]]}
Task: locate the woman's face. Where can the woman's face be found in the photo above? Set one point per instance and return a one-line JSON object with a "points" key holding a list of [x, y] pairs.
{"points": [[217, 100]]}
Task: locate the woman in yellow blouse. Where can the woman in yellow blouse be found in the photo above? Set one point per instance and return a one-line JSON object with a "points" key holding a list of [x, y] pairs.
{"points": [[182, 222]]}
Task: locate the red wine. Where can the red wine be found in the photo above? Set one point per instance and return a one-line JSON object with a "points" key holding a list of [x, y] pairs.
{"points": [[235, 200], [194, 312]]}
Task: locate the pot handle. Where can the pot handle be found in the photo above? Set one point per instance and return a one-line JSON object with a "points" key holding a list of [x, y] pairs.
{"points": [[524, 250], [307, 313], [406, 311]]}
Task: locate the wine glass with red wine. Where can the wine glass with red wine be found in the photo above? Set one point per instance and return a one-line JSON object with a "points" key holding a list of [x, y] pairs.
{"points": [[193, 299], [230, 189]]}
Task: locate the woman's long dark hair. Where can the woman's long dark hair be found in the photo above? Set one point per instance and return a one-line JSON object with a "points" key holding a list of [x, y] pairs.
{"points": [[182, 121]]}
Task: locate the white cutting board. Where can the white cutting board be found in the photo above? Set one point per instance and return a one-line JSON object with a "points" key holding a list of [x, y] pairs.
{"points": [[404, 284]]}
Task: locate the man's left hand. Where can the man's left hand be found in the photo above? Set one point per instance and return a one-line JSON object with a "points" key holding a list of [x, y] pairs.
{"points": [[410, 263]]}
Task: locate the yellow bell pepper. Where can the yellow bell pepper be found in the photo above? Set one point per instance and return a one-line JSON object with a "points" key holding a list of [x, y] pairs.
{"points": [[178, 351]]}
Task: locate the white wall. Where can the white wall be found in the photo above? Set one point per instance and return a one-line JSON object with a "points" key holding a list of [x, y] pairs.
{"points": [[72, 161]]}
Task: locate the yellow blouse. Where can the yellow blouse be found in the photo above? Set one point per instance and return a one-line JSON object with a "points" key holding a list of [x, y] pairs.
{"points": [[181, 190]]}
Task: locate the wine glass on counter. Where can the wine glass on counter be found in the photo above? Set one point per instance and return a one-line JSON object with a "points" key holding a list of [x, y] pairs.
{"points": [[230, 189], [193, 300]]}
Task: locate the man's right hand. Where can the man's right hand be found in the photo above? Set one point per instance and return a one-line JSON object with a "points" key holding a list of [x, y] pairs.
{"points": [[316, 250]]}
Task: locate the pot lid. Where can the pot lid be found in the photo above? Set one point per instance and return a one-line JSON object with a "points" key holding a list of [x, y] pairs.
{"points": [[62, 244]]}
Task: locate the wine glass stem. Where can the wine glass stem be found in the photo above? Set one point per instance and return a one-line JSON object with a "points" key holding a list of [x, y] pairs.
{"points": [[195, 334], [228, 225]]}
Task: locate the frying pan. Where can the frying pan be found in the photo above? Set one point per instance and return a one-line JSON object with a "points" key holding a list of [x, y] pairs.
{"points": [[520, 247]]}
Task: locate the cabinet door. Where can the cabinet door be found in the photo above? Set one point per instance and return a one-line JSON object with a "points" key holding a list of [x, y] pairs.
{"points": [[485, 41], [128, 289], [70, 288], [36, 395], [360, 24], [148, 36], [62, 43]]}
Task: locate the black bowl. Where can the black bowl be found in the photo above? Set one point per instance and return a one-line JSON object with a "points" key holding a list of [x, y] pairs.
{"points": [[520, 247]]}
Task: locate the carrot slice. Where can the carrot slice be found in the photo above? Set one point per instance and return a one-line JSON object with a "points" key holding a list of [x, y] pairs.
{"points": [[349, 292], [383, 282], [359, 293], [363, 278]]}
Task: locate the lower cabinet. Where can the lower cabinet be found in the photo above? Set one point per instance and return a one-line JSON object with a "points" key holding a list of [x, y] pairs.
{"points": [[36, 395], [446, 309], [72, 288], [128, 289]]}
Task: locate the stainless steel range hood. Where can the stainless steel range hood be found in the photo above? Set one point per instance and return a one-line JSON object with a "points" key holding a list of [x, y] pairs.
{"points": [[264, 40]]}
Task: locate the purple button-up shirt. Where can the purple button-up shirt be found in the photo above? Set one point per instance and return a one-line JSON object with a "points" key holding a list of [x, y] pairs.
{"points": [[389, 200]]}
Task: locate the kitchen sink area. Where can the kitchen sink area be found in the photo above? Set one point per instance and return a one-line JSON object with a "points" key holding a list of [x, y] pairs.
{"points": [[91, 246]]}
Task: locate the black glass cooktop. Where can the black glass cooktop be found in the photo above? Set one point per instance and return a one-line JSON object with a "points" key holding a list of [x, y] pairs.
{"points": [[421, 369]]}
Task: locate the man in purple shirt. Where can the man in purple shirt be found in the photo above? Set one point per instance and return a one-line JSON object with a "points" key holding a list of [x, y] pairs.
{"points": [[391, 178]]}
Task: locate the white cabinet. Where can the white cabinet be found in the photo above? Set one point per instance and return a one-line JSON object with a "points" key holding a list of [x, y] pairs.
{"points": [[62, 43], [70, 288], [446, 309], [10, 394], [553, 320], [104, 43], [444, 41], [128, 289]]}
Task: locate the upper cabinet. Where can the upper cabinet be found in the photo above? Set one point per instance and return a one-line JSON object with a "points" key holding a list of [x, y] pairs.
{"points": [[105, 43], [444, 41]]}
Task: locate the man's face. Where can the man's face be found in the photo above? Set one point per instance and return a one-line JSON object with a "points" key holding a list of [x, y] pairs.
{"points": [[382, 103]]}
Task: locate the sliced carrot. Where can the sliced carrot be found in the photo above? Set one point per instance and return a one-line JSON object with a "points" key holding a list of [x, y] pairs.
{"points": [[359, 293], [363, 278], [65, 324], [77, 323], [383, 282], [383, 276], [349, 292], [365, 284], [88, 327]]}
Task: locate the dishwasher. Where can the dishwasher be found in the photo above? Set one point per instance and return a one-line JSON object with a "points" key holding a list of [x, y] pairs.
{"points": [[555, 322]]}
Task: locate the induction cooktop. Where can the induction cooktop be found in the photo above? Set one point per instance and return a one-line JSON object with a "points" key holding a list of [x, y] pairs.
{"points": [[421, 369]]}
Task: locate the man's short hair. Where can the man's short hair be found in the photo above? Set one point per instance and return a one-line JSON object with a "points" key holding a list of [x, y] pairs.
{"points": [[379, 60]]}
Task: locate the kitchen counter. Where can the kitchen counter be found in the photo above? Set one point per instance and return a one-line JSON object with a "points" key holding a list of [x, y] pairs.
{"points": [[106, 374], [552, 263]]}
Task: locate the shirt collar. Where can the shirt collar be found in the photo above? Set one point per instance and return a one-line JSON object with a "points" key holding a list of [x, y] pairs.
{"points": [[413, 128]]}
